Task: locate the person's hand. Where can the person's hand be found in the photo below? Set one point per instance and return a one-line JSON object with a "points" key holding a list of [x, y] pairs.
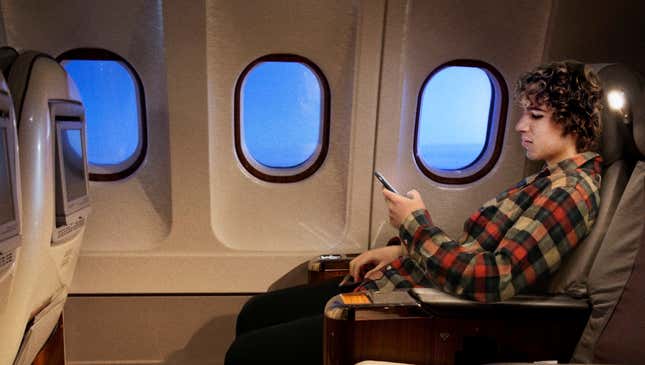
{"points": [[400, 207], [373, 260]]}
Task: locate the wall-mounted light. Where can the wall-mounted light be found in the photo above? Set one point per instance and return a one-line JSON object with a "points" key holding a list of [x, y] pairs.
{"points": [[617, 101]]}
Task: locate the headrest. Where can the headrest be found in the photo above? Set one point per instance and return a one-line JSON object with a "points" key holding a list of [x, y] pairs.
{"points": [[620, 128], [18, 79]]}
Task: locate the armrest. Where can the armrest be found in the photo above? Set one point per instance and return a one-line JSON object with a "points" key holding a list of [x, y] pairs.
{"points": [[429, 326], [438, 303], [325, 267]]}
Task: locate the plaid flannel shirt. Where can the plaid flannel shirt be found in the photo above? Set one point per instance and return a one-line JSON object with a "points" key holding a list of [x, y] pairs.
{"points": [[509, 243]]}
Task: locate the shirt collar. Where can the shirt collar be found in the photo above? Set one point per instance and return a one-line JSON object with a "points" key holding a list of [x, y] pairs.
{"points": [[590, 161]]}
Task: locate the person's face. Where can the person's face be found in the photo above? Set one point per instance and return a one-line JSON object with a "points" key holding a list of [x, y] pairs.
{"points": [[542, 137]]}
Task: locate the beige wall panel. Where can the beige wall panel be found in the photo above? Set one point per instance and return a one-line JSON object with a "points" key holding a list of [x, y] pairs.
{"points": [[174, 330], [133, 214], [420, 36], [312, 214]]}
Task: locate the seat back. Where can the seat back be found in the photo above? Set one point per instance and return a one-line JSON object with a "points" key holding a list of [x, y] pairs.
{"points": [[622, 339], [47, 260], [616, 277], [618, 154]]}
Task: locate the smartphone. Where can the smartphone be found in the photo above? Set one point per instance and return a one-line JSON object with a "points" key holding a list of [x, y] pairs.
{"points": [[386, 184]]}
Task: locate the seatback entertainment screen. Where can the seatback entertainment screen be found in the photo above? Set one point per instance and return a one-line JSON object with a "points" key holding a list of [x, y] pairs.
{"points": [[72, 151]]}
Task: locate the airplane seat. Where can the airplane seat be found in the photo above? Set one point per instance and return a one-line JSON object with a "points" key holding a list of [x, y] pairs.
{"points": [[51, 134], [436, 327], [617, 275], [616, 149]]}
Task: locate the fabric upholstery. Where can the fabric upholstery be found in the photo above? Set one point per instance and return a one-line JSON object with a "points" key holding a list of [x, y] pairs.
{"points": [[623, 337], [614, 261]]}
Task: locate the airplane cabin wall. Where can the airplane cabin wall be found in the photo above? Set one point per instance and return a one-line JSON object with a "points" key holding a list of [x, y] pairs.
{"points": [[190, 215]]}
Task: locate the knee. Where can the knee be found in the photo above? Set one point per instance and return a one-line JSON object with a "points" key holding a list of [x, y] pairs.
{"points": [[247, 316], [232, 356]]}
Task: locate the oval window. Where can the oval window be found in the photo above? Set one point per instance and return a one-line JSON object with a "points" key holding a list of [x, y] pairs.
{"points": [[281, 118], [460, 120]]}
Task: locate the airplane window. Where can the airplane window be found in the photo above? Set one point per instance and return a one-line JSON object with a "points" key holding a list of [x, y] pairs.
{"points": [[281, 118], [458, 117], [113, 98]]}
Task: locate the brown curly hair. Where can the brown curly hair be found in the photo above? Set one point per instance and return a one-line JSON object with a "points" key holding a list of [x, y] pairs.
{"points": [[573, 92]]}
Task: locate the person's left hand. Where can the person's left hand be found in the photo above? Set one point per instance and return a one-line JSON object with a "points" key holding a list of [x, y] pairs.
{"points": [[400, 207]]}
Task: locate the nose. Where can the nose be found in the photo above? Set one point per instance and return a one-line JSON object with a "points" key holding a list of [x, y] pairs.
{"points": [[522, 124]]}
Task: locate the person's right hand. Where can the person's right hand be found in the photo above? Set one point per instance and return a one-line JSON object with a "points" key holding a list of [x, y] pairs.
{"points": [[378, 258], [400, 207]]}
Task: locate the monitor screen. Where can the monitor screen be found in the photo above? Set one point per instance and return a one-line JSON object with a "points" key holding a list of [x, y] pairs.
{"points": [[7, 212], [72, 151]]}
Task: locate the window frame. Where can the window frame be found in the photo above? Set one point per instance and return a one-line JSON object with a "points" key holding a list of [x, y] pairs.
{"points": [[313, 163], [129, 166], [494, 141]]}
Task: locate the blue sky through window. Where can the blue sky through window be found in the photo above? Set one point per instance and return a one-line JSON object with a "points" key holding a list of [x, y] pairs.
{"points": [[453, 118], [111, 109], [281, 113]]}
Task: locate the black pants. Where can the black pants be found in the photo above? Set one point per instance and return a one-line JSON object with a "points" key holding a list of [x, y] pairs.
{"points": [[283, 327]]}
